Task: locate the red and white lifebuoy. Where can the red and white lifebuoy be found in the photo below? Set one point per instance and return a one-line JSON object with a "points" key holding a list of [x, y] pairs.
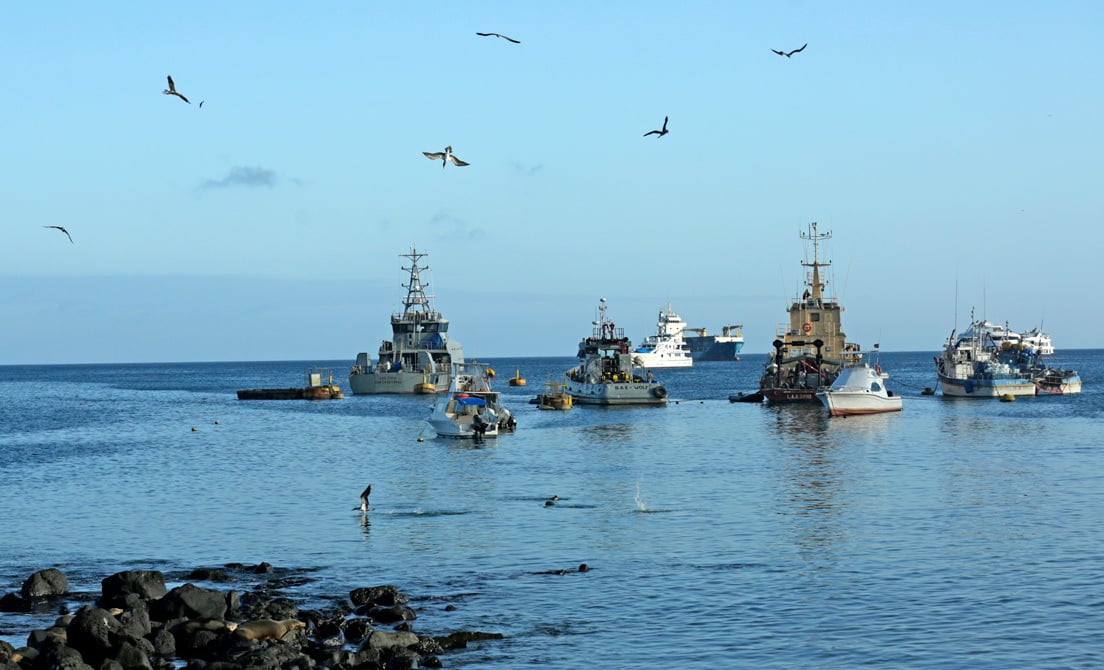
{"points": [[806, 327]]}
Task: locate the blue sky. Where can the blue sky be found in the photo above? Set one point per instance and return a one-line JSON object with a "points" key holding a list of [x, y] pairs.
{"points": [[953, 150]]}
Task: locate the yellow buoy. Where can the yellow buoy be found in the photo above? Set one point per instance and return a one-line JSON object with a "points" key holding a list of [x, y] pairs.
{"points": [[517, 379], [1007, 397]]}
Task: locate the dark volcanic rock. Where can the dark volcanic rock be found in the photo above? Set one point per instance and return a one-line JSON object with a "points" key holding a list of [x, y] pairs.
{"points": [[377, 595], [94, 632], [208, 575], [392, 613], [356, 630], [135, 617], [460, 639], [261, 606], [164, 644], [147, 584], [62, 658], [48, 582], [132, 656], [189, 602]]}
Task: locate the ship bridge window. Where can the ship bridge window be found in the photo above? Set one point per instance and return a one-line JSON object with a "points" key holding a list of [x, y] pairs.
{"points": [[429, 328], [404, 328], [814, 316], [443, 327]]}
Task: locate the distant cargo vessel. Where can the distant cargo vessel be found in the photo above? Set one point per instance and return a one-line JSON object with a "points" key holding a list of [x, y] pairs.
{"points": [[723, 347]]}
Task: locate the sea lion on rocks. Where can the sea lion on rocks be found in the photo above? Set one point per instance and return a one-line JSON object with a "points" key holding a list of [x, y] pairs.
{"points": [[266, 629]]}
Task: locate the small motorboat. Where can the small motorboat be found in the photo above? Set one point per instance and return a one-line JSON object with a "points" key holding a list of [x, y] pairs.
{"points": [[470, 409], [859, 389], [555, 397]]}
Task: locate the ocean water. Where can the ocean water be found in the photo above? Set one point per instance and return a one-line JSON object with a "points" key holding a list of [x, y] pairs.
{"points": [[957, 533]]}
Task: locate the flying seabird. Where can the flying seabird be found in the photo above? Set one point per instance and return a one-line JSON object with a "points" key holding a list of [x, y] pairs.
{"points": [[364, 499], [201, 103], [445, 156], [62, 230], [787, 54], [661, 133], [508, 39], [171, 90]]}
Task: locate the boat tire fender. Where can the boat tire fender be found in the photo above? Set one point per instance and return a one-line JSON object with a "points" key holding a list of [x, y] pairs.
{"points": [[659, 392]]}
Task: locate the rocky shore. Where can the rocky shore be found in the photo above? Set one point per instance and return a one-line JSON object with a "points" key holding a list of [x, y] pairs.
{"points": [[136, 623]]}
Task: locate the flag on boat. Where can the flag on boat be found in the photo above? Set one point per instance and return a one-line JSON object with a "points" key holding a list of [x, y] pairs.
{"points": [[490, 372]]}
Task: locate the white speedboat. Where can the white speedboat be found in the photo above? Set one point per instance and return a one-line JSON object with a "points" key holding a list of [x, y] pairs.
{"points": [[859, 389], [606, 374], [667, 348], [470, 409], [419, 356]]}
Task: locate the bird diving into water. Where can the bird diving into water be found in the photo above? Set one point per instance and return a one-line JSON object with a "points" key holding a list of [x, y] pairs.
{"points": [[445, 156], [787, 54], [62, 230], [171, 90], [364, 499], [508, 39], [660, 133]]}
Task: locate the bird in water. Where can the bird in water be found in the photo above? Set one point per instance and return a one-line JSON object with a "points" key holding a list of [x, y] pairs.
{"points": [[171, 90], [62, 230], [551, 501], [364, 499], [787, 54], [661, 133], [445, 156], [508, 39]]}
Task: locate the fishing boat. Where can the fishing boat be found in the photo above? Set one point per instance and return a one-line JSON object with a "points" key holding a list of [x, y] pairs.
{"points": [[470, 409], [419, 352], [723, 347], [971, 366], [859, 389], [667, 348], [607, 374], [812, 349]]}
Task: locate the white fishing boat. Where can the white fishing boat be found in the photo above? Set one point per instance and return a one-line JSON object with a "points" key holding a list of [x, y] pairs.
{"points": [[470, 409], [419, 356], [971, 366], [667, 348], [606, 374], [859, 389]]}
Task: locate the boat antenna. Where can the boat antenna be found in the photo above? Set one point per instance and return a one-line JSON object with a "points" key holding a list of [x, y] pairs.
{"points": [[816, 285]]}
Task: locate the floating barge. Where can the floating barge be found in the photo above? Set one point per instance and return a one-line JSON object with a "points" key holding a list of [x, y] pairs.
{"points": [[314, 390]]}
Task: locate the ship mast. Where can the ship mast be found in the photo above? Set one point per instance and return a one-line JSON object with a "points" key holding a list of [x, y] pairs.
{"points": [[416, 305], [816, 285]]}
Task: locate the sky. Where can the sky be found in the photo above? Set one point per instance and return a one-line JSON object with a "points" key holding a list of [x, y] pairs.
{"points": [[952, 150]]}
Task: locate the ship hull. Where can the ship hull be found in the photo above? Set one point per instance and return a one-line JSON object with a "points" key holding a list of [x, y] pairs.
{"points": [[985, 388], [790, 395], [845, 403], [711, 348], [614, 393], [366, 383]]}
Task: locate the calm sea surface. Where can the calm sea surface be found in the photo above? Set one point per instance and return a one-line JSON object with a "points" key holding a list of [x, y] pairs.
{"points": [[957, 533]]}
